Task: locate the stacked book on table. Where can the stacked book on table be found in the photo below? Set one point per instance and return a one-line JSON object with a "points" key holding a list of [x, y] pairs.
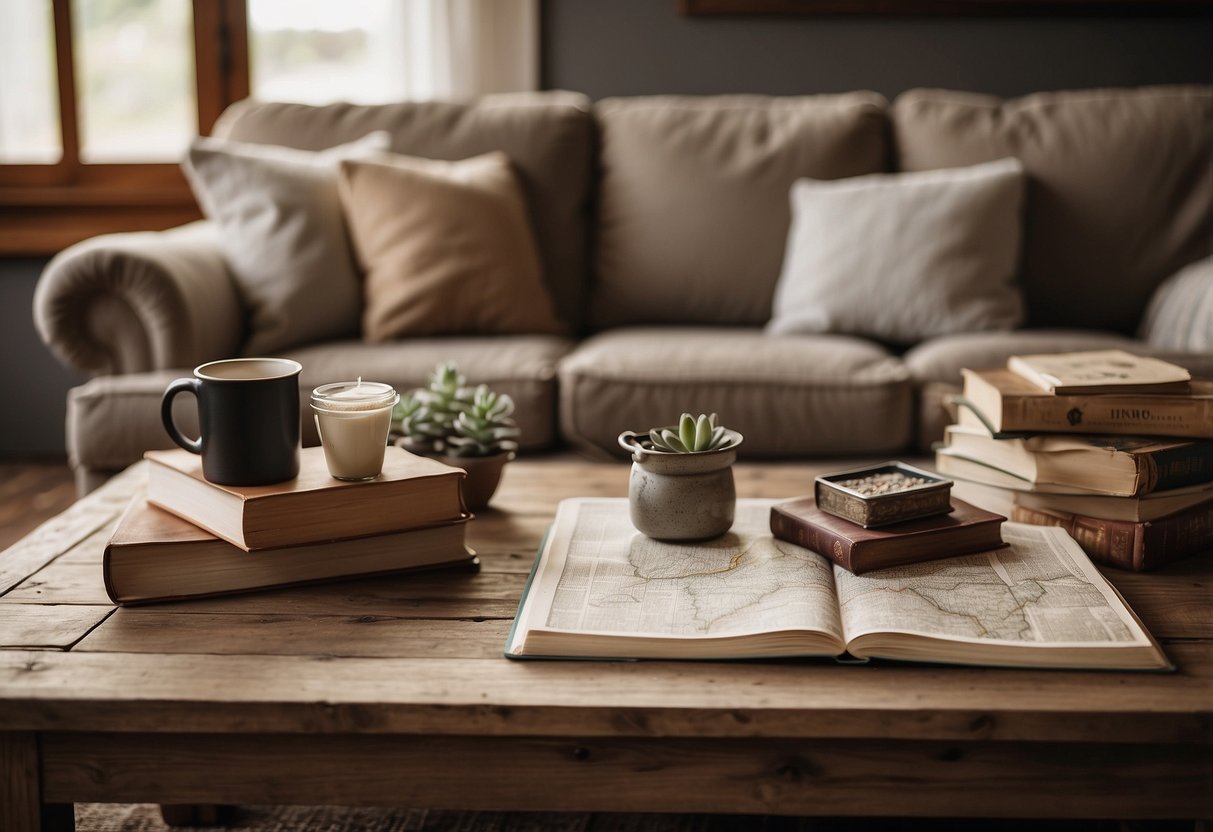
{"points": [[190, 537], [1115, 448]]}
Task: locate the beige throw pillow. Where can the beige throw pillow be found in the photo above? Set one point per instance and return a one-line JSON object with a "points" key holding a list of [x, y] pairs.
{"points": [[904, 257], [446, 246], [282, 234]]}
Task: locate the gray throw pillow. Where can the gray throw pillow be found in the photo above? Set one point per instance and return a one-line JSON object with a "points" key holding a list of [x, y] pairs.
{"points": [[283, 235], [904, 257]]}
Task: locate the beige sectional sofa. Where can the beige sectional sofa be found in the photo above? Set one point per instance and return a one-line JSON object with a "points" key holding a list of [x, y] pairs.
{"points": [[661, 224]]}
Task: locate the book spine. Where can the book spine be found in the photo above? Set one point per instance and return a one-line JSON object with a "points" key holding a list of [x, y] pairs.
{"points": [[1129, 545], [1147, 415], [1177, 467], [834, 547], [1113, 546]]}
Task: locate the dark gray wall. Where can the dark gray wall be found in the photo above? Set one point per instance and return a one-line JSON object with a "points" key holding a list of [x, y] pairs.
{"points": [[644, 47], [35, 384]]}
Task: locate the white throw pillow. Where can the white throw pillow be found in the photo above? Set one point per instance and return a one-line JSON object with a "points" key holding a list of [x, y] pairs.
{"points": [[282, 232], [1180, 315], [904, 257]]}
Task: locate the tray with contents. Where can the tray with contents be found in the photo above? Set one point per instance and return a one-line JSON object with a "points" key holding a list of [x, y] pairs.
{"points": [[880, 495]]}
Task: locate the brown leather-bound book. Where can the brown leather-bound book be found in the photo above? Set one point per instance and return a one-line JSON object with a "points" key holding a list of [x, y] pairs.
{"points": [[965, 530], [1128, 545], [156, 556], [1006, 403], [412, 491]]}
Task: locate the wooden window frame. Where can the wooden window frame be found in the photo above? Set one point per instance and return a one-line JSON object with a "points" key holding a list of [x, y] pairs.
{"points": [[44, 208]]}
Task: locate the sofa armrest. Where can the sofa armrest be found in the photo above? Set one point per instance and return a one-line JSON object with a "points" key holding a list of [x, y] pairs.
{"points": [[1180, 314], [124, 303]]}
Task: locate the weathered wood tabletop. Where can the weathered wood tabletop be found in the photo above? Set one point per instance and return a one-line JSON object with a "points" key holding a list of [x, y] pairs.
{"points": [[394, 691]]}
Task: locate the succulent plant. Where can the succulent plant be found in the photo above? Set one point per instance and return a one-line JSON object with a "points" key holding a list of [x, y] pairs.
{"points": [[447, 416], [486, 427], [693, 435]]}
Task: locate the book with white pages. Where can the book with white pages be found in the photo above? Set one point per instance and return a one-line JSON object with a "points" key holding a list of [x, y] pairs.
{"points": [[1154, 506], [1100, 371], [952, 464], [600, 589]]}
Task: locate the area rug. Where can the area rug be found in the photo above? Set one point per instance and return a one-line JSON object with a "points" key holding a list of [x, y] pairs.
{"points": [[103, 817]]}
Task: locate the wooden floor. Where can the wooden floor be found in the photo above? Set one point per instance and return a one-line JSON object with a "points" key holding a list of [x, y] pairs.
{"points": [[31, 493]]}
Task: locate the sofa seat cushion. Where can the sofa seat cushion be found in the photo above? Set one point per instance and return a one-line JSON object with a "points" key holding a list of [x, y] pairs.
{"points": [[693, 209], [1118, 194], [112, 420], [791, 396], [936, 364], [520, 366]]}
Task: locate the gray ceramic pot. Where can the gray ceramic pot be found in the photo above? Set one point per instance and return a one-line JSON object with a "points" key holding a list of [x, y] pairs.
{"points": [[681, 496]]}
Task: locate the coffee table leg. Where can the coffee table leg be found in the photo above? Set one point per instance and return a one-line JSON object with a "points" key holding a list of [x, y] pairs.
{"points": [[21, 807]]}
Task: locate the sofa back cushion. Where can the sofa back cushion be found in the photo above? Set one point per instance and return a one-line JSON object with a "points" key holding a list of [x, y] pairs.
{"points": [[547, 136], [693, 209], [1120, 187]]}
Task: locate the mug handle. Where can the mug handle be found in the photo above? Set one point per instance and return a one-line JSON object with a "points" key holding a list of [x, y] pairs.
{"points": [[181, 385]]}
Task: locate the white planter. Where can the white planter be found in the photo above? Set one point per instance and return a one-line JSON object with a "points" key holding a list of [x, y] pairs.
{"points": [[675, 496]]}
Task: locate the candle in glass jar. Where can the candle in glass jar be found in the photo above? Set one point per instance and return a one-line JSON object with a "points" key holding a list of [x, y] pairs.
{"points": [[353, 418]]}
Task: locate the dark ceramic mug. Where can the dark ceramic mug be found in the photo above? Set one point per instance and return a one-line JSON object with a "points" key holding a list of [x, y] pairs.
{"points": [[248, 416]]}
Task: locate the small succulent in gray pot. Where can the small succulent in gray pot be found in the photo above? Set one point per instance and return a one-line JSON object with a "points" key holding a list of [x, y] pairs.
{"points": [[681, 486], [469, 428]]}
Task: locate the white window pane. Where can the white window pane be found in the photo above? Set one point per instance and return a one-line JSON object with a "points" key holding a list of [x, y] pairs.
{"points": [[29, 95], [134, 79], [319, 51]]}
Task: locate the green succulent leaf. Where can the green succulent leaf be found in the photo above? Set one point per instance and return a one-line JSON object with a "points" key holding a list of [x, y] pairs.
{"points": [[692, 434], [686, 431]]}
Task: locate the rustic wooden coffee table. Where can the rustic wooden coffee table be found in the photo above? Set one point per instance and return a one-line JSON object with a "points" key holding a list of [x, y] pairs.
{"points": [[395, 692]]}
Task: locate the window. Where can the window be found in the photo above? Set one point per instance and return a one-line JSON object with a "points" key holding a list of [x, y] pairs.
{"points": [[135, 83], [29, 106], [98, 99], [316, 51]]}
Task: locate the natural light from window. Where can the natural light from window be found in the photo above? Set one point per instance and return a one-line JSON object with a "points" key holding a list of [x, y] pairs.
{"points": [[134, 79], [29, 98], [320, 51]]}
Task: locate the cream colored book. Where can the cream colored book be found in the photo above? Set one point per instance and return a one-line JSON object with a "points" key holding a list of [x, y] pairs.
{"points": [[1132, 509], [156, 556], [1100, 371], [600, 589], [1123, 466], [1008, 403], [412, 491]]}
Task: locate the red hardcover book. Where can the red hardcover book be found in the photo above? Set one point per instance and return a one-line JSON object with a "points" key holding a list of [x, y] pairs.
{"points": [[1128, 545], [965, 530]]}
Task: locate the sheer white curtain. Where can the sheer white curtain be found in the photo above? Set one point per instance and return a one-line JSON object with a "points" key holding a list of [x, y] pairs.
{"points": [[372, 51], [460, 49]]}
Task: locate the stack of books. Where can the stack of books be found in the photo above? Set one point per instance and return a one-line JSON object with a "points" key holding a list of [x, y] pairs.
{"points": [[884, 516], [190, 538], [1115, 448]]}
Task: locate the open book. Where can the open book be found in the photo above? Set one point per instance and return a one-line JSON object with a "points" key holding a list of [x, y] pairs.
{"points": [[600, 589]]}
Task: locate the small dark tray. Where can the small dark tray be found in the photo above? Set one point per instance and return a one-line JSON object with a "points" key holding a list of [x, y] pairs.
{"points": [[930, 498]]}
